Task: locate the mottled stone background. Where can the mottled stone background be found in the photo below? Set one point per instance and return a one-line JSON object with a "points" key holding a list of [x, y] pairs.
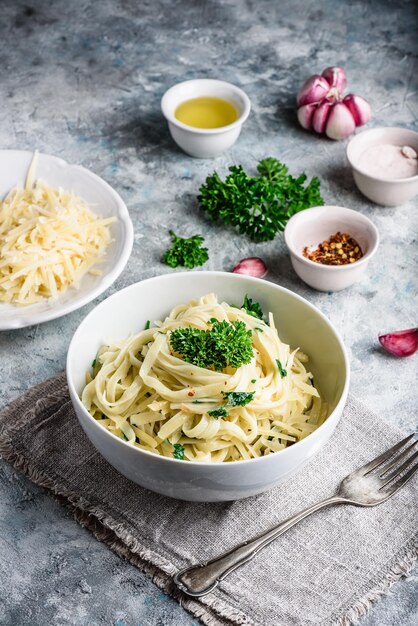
{"points": [[83, 80]]}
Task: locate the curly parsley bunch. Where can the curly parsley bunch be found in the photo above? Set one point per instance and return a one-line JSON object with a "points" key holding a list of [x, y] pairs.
{"points": [[223, 345], [186, 252], [258, 206]]}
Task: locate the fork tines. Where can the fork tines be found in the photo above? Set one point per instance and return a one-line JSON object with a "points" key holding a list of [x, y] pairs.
{"points": [[398, 459]]}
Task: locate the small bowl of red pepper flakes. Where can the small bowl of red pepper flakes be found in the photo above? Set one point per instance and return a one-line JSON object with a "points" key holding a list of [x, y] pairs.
{"points": [[330, 246], [338, 249]]}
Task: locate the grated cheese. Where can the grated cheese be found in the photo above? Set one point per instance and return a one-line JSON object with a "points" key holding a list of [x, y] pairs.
{"points": [[49, 240]]}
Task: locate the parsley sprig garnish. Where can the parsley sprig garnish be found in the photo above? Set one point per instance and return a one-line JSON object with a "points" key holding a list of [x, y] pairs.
{"points": [[223, 345], [258, 206], [233, 398], [238, 398], [186, 252], [282, 370], [220, 411], [253, 308], [178, 451]]}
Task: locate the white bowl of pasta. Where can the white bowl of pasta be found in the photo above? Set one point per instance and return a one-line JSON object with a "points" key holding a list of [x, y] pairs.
{"points": [[207, 386]]}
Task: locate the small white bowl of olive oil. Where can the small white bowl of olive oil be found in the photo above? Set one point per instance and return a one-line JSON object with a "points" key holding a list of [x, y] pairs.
{"points": [[205, 116]]}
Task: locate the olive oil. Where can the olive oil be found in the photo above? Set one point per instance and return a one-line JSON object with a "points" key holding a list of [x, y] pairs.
{"points": [[206, 112]]}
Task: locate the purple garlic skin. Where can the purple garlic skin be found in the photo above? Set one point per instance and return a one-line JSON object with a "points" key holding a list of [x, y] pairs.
{"points": [[323, 108], [401, 342], [305, 114], [252, 266], [313, 90], [320, 116], [336, 77], [340, 122], [359, 108]]}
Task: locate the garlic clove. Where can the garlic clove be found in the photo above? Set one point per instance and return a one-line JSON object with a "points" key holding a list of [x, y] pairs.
{"points": [[336, 77], [313, 90], [305, 114], [340, 122], [400, 343], [409, 152], [252, 266], [359, 108], [320, 116]]}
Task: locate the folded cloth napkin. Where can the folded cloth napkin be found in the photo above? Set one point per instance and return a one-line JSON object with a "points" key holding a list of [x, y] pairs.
{"points": [[327, 570]]}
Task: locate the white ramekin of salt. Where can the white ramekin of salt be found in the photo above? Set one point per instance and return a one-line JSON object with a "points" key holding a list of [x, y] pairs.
{"points": [[385, 164]]}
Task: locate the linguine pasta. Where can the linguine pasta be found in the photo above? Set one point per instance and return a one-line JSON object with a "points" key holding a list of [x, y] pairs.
{"points": [[145, 394]]}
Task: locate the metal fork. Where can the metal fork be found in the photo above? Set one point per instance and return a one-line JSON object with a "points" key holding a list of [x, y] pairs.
{"points": [[369, 485]]}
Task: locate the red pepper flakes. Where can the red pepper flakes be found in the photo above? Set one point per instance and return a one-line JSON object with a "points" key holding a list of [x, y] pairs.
{"points": [[339, 249], [190, 393]]}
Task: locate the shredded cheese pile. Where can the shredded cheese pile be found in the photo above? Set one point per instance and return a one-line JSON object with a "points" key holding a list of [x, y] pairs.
{"points": [[49, 239]]}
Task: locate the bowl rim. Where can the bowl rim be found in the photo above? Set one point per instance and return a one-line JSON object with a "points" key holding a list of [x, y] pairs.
{"points": [[205, 131], [298, 217], [25, 317], [370, 131], [236, 277]]}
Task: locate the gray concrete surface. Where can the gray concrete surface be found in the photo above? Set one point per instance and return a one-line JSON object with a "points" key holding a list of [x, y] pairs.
{"points": [[83, 81]]}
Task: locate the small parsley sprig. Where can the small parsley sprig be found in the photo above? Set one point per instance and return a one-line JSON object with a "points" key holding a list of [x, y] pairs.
{"points": [[220, 411], [253, 308], [186, 252], [223, 345], [282, 370], [233, 398], [178, 451], [238, 398], [258, 206]]}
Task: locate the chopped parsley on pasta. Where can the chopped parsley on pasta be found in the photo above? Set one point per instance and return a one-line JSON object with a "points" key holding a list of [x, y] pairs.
{"points": [[143, 391]]}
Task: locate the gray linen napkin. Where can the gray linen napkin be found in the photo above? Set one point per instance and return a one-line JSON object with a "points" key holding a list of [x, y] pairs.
{"points": [[327, 570]]}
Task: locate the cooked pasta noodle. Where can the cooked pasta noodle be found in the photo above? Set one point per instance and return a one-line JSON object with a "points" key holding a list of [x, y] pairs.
{"points": [[145, 394]]}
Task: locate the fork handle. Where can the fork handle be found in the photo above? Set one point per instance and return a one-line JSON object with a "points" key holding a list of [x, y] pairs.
{"points": [[199, 580]]}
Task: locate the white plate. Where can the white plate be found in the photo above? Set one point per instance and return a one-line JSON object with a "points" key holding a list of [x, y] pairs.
{"points": [[105, 201]]}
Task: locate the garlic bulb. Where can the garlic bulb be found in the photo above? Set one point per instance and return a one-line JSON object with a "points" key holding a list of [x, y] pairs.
{"points": [[323, 108]]}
